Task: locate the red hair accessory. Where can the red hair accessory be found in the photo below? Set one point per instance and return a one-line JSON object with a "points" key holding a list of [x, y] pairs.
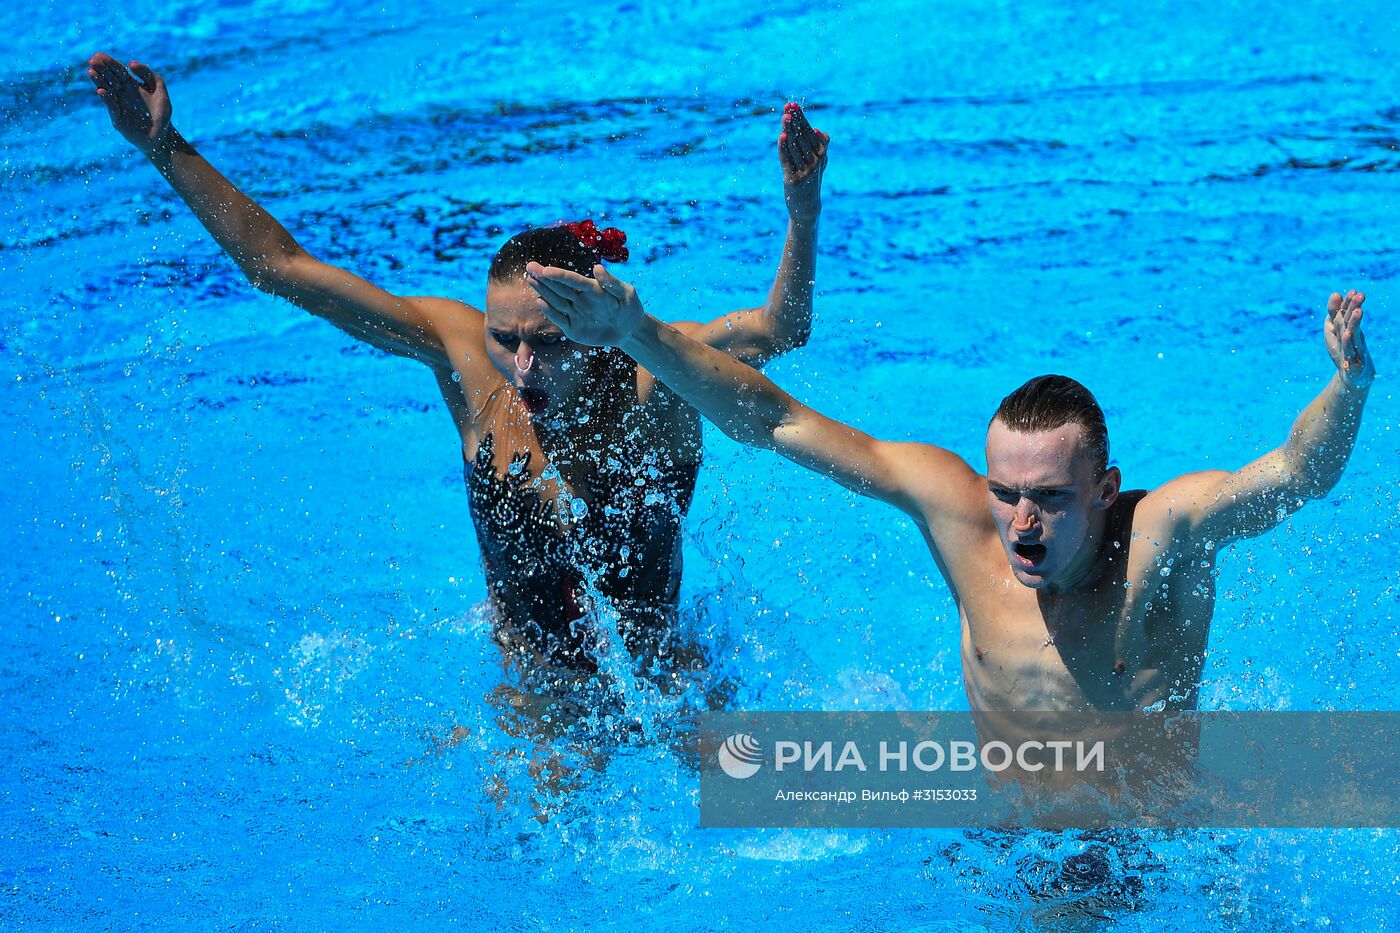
{"points": [[609, 243]]}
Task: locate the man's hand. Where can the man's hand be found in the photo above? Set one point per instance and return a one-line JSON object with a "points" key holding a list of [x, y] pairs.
{"points": [[802, 153], [599, 312], [140, 110], [1345, 342]]}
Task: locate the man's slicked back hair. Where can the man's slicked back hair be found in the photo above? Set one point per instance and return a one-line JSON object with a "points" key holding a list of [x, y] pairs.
{"points": [[1048, 402]]}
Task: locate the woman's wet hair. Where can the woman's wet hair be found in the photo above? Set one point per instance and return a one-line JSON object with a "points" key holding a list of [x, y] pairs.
{"points": [[577, 247], [1048, 402]]}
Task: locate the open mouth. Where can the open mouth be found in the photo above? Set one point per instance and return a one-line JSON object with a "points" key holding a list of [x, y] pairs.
{"points": [[535, 399], [1031, 553]]}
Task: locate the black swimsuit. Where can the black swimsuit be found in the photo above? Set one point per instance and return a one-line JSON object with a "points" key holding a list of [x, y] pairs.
{"points": [[548, 555]]}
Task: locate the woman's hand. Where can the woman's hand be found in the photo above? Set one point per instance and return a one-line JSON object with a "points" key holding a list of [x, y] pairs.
{"points": [[802, 154], [140, 109], [601, 312], [1345, 342]]}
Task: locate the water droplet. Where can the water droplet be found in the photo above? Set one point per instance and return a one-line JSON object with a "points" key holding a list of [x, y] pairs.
{"points": [[578, 507], [456, 376]]}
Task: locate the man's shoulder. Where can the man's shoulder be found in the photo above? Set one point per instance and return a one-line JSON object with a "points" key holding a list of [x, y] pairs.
{"points": [[939, 468], [1183, 498], [1171, 513], [949, 491]]}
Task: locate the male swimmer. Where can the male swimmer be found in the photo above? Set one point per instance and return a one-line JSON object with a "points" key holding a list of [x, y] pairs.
{"points": [[579, 465], [1056, 573]]}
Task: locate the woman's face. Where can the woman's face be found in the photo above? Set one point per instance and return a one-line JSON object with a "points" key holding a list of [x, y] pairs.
{"points": [[530, 352]]}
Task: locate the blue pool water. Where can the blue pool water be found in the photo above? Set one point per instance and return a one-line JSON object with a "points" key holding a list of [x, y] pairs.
{"points": [[243, 591]]}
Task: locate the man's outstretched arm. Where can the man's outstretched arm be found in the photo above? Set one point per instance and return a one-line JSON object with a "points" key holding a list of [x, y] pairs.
{"points": [[1255, 498], [265, 252], [784, 322], [927, 482]]}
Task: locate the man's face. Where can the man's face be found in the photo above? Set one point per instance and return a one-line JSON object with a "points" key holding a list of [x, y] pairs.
{"points": [[1043, 494], [532, 353]]}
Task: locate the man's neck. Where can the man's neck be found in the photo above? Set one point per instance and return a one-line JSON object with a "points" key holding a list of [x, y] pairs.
{"points": [[1088, 565]]}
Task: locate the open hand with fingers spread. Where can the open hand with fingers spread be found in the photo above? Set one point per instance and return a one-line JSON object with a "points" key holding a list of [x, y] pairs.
{"points": [[136, 100], [1346, 343], [802, 153], [600, 312]]}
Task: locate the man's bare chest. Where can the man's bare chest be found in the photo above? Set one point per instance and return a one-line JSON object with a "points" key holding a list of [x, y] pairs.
{"points": [[1134, 636]]}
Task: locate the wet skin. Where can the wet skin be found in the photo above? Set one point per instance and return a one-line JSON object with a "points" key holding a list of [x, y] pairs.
{"points": [[1060, 592], [531, 353], [1071, 596], [508, 372]]}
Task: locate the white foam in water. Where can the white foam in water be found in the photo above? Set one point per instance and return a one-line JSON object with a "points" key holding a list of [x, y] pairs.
{"points": [[786, 845]]}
